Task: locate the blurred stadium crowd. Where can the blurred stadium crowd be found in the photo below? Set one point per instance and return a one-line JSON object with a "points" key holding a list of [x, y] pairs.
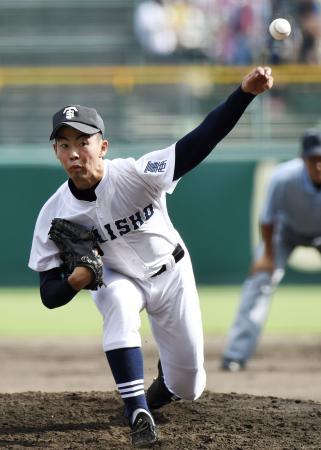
{"points": [[228, 31], [191, 37]]}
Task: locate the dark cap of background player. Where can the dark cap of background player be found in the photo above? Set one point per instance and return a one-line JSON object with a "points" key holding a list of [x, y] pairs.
{"points": [[87, 120], [311, 143]]}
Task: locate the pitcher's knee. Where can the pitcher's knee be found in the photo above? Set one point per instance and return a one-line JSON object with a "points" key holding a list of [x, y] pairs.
{"points": [[190, 385]]}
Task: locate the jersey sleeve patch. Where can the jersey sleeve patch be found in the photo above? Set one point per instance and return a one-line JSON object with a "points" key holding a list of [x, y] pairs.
{"points": [[157, 169], [155, 166]]}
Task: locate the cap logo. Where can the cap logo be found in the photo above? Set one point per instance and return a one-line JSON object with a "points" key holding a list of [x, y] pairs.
{"points": [[70, 112]]}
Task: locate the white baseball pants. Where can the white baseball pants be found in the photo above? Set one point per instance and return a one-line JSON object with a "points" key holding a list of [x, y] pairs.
{"points": [[172, 304]]}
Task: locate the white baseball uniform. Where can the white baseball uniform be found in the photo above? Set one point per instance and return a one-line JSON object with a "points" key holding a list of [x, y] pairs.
{"points": [[128, 212], [137, 238]]}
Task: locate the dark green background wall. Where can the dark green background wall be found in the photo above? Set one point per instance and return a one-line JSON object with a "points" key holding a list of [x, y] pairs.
{"points": [[24, 190], [210, 207]]}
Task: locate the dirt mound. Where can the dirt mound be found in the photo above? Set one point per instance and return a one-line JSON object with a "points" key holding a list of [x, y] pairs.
{"points": [[59, 394], [94, 420]]}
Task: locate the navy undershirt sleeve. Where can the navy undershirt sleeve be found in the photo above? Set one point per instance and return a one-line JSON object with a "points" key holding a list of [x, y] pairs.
{"points": [[196, 145], [54, 290]]}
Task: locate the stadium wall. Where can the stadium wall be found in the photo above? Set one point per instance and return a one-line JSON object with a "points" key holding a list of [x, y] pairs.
{"points": [[211, 208]]}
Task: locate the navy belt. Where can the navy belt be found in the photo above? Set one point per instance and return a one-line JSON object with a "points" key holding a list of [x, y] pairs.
{"points": [[178, 254]]}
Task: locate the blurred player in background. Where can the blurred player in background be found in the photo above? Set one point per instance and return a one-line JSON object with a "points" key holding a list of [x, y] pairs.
{"points": [[146, 264], [291, 217]]}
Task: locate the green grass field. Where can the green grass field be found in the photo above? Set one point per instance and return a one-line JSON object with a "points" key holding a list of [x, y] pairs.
{"points": [[295, 310]]}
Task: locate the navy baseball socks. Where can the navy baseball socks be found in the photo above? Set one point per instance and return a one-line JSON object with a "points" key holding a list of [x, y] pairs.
{"points": [[127, 368], [157, 394]]}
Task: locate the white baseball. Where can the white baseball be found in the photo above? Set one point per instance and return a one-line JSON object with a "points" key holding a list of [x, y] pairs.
{"points": [[280, 29]]}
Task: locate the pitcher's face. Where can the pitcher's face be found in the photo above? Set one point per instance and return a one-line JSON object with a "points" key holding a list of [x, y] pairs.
{"points": [[81, 155]]}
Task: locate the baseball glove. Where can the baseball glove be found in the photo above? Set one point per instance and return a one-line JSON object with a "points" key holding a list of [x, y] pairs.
{"points": [[78, 246]]}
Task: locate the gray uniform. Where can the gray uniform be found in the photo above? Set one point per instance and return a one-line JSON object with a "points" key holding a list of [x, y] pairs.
{"points": [[293, 206]]}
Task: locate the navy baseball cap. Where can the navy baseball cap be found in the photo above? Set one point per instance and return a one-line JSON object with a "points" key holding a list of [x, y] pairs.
{"points": [[311, 143], [87, 120]]}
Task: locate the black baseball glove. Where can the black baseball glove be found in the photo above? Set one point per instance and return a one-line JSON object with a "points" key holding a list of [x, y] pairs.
{"points": [[78, 246]]}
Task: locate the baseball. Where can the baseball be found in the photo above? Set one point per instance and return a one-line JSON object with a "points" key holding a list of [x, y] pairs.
{"points": [[280, 29]]}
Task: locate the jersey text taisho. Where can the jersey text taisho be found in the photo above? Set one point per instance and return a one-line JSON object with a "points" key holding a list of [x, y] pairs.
{"points": [[131, 223]]}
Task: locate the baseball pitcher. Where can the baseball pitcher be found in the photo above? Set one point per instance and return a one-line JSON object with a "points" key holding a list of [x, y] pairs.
{"points": [[107, 229]]}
